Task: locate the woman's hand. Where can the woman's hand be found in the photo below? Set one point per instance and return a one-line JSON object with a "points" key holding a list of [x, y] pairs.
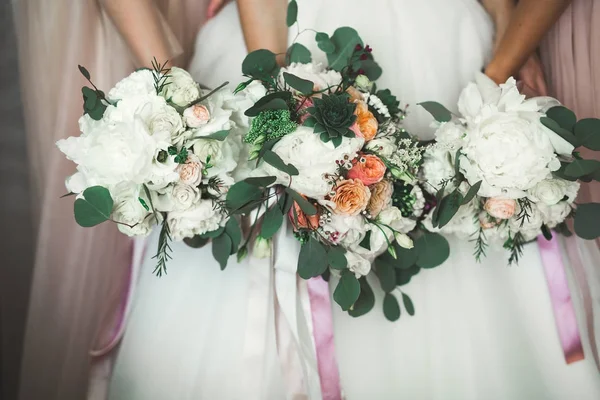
{"points": [[531, 77], [214, 7]]}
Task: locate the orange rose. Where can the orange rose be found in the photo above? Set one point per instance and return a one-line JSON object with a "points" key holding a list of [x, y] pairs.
{"points": [[355, 95], [369, 169], [367, 123], [500, 208], [381, 196], [300, 220], [351, 197]]}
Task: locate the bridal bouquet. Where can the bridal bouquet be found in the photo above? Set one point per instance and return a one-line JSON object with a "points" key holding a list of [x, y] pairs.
{"points": [[504, 171], [333, 159], [155, 151]]}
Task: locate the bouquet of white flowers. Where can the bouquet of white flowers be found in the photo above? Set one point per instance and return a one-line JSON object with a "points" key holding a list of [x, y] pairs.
{"points": [[333, 159], [505, 171], [155, 151]]}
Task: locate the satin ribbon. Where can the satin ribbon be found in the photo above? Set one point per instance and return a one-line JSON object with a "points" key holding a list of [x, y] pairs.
{"points": [[560, 297], [322, 319], [584, 289]]}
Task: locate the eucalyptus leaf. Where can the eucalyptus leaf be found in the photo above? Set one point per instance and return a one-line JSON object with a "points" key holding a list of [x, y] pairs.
{"points": [[386, 274], [312, 260], [438, 111], [366, 242], [298, 53], [371, 69], [580, 168], [221, 249], [220, 135], [433, 250], [391, 308], [285, 203], [302, 85], [240, 194], [292, 13], [94, 208], [562, 132], [213, 234], [306, 207], [262, 181], [272, 101], [196, 242], [271, 222], [587, 221], [336, 257], [448, 207], [587, 132], [324, 43], [365, 301], [232, 228], [271, 158], [403, 276], [260, 64], [560, 173], [408, 304], [84, 72], [564, 117], [344, 40], [472, 193], [347, 290], [546, 232]]}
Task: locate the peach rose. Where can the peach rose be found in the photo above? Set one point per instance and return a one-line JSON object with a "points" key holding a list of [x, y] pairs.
{"points": [[369, 169], [381, 196], [196, 115], [500, 208], [300, 220], [366, 121], [190, 173], [351, 197], [486, 222], [355, 95]]}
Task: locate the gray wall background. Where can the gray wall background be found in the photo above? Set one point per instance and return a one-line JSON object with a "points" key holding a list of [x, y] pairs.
{"points": [[16, 233]]}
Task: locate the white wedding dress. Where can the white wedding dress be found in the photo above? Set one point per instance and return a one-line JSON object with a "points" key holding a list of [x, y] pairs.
{"points": [[481, 331]]}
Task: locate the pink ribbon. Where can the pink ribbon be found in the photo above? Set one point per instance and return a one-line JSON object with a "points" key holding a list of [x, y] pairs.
{"points": [[560, 296], [320, 305]]}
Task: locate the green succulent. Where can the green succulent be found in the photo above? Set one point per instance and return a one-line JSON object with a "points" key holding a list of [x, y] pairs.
{"points": [[332, 116], [269, 125]]}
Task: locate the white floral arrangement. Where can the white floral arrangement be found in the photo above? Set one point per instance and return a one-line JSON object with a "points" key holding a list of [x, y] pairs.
{"points": [[504, 171], [156, 151]]}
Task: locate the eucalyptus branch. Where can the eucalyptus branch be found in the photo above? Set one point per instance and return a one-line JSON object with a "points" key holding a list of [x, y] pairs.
{"points": [[206, 96]]}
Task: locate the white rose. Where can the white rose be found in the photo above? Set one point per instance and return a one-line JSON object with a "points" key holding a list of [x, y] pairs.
{"points": [[184, 196], [313, 158], [419, 204], [549, 191], [243, 101], [345, 230], [203, 217], [182, 89], [112, 153], [437, 168], [404, 241], [384, 147], [262, 248], [139, 83], [190, 173], [142, 228], [357, 264], [530, 227], [321, 77], [555, 214], [451, 136], [209, 148], [393, 218], [128, 210], [224, 157], [509, 154], [220, 117], [196, 115]]}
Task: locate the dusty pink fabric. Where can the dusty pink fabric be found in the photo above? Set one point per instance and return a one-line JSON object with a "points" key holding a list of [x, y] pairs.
{"points": [[571, 56], [80, 274]]}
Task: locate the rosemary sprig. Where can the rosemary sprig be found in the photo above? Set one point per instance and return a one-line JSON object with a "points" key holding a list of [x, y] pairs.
{"points": [[480, 244], [525, 212], [515, 246], [164, 250], [161, 75]]}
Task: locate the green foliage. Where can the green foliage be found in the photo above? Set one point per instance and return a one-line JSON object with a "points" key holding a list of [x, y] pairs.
{"points": [[242, 86], [270, 125], [260, 64], [347, 290], [391, 308], [196, 242], [587, 132], [448, 208], [298, 53], [306, 207], [370, 69], [546, 232], [344, 41], [304, 86], [272, 101], [403, 276], [438, 111], [292, 13], [386, 273], [560, 173], [332, 116], [562, 132], [94, 208], [163, 254], [581, 168], [564, 117], [408, 304], [389, 100], [271, 158], [93, 104], [241, 194], [587, 221], [515, 246], [336, 257], [233, 230], [432, 250], [312, 260], [220, 135], [472, 193], [271, 222], [221, 249], [324, 43], [262, 181], [365, 301]]}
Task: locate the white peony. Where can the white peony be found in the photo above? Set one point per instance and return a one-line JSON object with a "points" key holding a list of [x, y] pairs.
{"points": [[112, 153], [220, 118], [554, 214], [201, 218], [139, 83], [313, 158], [509, 154], [358, 264], [385, 147], [450, 136], [437, 167], [181, 89], [321, 77], [345, 230]]}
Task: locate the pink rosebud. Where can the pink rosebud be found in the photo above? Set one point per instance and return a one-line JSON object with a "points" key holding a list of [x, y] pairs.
{"points": [[500, 208], [196, 115], [302, 110]]}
